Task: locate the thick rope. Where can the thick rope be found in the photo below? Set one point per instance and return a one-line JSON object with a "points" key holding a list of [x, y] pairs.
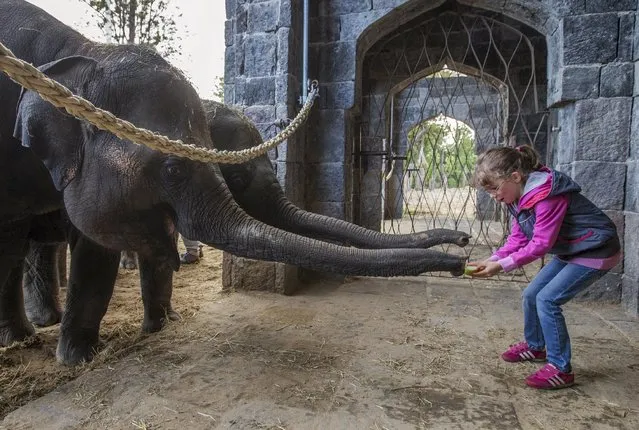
{"points": [[31, 78]]}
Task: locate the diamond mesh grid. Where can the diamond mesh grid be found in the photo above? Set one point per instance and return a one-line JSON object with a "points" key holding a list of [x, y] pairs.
{"points": [[437, 94]]}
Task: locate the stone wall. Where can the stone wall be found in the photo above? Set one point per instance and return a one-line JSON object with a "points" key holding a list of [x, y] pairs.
{"points": [[591, 77], [592, 54], [630, 278], [262, 75]]}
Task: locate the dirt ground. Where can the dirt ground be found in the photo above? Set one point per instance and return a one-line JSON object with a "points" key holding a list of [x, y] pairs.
{"points": [[409, 353]]}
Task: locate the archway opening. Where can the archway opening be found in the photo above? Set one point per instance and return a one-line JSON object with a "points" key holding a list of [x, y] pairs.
{"points": [[453, 63]]}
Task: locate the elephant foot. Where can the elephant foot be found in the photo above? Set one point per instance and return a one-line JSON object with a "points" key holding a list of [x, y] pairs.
{"points": [[155, 324], [45, 316], [128, 265], [11, 332], [76, 348]]}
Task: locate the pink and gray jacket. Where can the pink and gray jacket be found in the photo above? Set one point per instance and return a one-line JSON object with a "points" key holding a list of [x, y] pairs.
{"points": [[553, 217]]}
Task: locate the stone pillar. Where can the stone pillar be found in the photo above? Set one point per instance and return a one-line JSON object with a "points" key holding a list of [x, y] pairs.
{"points": [[262, 65]]}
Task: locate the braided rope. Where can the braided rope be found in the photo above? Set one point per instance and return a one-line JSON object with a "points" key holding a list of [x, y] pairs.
{"points": [[31, 78]]}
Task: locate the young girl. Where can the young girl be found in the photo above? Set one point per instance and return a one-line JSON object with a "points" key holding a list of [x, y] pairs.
{"points": [[549, 216]]}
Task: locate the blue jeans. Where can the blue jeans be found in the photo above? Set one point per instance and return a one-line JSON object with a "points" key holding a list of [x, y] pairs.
{"points": [[544, 323]]}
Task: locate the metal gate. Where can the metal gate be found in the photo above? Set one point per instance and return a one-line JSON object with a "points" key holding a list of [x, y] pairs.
{"points": [[436, 94]]}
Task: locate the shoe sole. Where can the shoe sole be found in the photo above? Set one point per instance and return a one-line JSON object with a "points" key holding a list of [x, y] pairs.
{"points": [[534, 360]]}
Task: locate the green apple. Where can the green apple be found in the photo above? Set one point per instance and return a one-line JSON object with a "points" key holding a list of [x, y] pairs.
{"points": [[469, 270]]}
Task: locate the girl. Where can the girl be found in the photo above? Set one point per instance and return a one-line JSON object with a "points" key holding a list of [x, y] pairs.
{"points": [[549, 216]]}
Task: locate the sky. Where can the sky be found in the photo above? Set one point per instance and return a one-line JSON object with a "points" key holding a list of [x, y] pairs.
{"points": [[202, 43]]}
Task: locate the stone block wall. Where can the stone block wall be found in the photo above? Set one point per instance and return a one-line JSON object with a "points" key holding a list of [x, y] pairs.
{"points": [[591, 89], [262, 77]]}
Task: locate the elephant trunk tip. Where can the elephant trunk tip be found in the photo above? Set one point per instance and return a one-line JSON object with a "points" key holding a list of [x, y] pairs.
{"points": [[463, 240]]}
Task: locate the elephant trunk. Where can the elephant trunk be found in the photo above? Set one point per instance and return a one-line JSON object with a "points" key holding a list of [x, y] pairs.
{"points": [[288, 216], [245, 236]]}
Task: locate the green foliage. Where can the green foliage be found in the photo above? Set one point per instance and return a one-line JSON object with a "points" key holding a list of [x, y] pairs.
{"points": [[218, 92], [440, 154], [145, 22]]}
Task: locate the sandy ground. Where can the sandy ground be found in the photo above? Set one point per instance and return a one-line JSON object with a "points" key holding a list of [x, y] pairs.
{"points": [[409, 353]]}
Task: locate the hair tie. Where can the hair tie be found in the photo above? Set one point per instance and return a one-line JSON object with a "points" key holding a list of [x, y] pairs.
{"points": [[520, 149]]}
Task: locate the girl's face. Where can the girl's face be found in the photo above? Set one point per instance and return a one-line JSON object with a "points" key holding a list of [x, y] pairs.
{"points": [[506, 190]]}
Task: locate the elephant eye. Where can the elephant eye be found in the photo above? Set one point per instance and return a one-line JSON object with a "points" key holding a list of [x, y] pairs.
{"points": [[174, 170]]}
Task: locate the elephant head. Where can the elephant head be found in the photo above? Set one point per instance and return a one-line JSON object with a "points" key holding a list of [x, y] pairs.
{"points": [[125, 196]]}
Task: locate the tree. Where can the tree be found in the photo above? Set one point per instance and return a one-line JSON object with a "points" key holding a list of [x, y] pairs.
{"points": [[441, 153], [218, 92], [145, 22]]}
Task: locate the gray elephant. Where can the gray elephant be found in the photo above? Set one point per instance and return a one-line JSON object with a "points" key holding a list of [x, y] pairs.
{"points": [[117, 195], [255, 188]]}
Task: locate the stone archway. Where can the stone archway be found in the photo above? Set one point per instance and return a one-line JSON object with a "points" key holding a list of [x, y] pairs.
{"points": [[498, 85]]}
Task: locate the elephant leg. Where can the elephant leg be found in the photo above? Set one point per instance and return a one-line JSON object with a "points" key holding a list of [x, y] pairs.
{"points": [[156, 278], [14, 325], [62, 265], [92, 277], [128, 260], [41, 284]]}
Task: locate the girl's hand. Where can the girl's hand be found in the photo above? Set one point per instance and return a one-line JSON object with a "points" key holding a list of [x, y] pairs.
{"points": [[480, 264], [490, 268], [473, 266]]}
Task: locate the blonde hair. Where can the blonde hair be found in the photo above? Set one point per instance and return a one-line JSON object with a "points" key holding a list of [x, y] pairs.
{"points": [[499, 163]]}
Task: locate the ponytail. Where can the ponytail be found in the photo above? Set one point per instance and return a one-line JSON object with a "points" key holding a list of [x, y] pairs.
{"points": [[529, 159]]}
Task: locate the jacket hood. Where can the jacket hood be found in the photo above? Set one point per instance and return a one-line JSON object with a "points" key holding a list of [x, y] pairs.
{"points": [[545, 183]]}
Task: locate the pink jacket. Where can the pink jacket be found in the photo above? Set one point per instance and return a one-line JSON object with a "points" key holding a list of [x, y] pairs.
{"points": [[549, 213]]}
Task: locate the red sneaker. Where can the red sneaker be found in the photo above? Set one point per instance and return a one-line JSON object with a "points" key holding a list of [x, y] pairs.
{"points": [[521, 352], [550, 378]]}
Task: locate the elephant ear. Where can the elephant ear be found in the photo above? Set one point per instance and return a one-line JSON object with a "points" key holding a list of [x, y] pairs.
{"points": [[53, 135]]}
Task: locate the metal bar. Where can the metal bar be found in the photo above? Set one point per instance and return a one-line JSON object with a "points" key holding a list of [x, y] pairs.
{"points": [[383, 190], [305, 54]]}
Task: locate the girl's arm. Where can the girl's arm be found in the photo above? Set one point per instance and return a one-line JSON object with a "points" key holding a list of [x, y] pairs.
{"points": [[516, 240], [549, 214]]}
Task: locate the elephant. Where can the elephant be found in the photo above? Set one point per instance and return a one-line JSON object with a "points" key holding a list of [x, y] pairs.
{"points": [[255, 188], [106, 194]]}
